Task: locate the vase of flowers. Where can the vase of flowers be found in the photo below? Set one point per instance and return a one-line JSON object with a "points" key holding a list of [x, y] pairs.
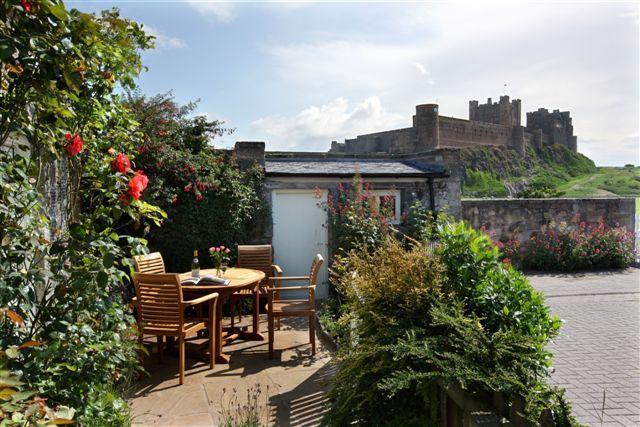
{"points": [[220, 257]]}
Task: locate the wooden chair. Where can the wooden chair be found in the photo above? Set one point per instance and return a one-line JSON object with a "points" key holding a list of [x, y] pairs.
{"points": [[294, 308], [151, 263], [256, 257], [161, 312]]}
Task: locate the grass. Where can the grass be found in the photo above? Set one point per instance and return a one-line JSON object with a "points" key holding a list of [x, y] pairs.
{"points": [[483, 184], [606, 181]]}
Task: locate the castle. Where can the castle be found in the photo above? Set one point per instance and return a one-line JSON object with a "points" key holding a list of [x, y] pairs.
{"points": [[493, 123]]}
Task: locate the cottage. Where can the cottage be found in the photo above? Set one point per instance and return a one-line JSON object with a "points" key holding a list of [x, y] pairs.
{"points": [[297, 185]]}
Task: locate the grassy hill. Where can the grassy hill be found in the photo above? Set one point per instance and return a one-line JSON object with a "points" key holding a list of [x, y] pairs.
{"points": [[501, 171], [605, 181]]}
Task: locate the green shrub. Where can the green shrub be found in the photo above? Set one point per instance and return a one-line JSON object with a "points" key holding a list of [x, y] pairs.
{"points": [[493, 290], [419, 319]]}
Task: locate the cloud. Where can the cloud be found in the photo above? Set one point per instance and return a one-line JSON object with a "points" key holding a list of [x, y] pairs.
{"points": [[164, 41], [361, 65], [424, 72], [313, 128], [577, 57], [220, 11]]}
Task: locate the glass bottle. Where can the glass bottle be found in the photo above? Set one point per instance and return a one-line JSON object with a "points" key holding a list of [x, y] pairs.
{"points": [[195, 265]]}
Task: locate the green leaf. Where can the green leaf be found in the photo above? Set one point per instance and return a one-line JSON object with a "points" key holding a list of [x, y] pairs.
{"points": [[103, 279], [108, 260], [77, 231], [6, 50], [59, 12]]}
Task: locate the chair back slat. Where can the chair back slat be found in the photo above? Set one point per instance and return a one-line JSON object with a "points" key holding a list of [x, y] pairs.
{"points": [[149, 264], [159, 300], [315, 269], [256, 257]]}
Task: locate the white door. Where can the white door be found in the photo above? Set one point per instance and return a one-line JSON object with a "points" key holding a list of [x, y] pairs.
{"points": [[299, 233]]}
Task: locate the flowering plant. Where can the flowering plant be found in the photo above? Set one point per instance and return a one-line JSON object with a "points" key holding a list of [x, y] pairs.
{"points": [[357, 216], [219, 255], [578, 245]]}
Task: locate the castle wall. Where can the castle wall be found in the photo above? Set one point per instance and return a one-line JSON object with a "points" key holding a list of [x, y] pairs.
{"points": [[398, 141], [465, 133], [493, 123]]}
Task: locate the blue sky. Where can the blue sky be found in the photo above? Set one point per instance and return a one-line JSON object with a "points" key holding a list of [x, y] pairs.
{"points": [[298, 75]]}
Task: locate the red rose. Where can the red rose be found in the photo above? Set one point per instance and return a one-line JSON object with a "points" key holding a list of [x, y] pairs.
{"points": [[26, 5], [137, 184], [198, 197], [125, 199], [121, 163], [74, 144]]}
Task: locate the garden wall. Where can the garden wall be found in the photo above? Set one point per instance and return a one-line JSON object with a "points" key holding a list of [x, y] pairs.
{"points": [[521, 217]]}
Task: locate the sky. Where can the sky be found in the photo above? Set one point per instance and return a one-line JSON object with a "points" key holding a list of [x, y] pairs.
{"points": [[298, 75]]}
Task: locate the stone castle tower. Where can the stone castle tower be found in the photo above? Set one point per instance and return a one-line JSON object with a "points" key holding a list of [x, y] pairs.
{"points": [[500, 113], [493, 123]]}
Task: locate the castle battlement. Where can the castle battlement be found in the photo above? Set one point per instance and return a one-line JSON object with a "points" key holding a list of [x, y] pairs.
{"points": [[493, 123]]}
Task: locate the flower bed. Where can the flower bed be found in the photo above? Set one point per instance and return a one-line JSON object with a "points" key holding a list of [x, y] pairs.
{"points": [[578, 246], [570, 246]]}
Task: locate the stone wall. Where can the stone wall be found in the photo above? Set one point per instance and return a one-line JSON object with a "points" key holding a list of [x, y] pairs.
{"points": [[521, 217], [465, 133], [448, 191]]}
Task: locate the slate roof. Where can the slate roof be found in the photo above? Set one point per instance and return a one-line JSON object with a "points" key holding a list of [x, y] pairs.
{"points": [[332, 167]]}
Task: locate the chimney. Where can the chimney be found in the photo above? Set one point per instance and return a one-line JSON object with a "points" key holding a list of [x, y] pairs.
{"points": [[249, 152]]}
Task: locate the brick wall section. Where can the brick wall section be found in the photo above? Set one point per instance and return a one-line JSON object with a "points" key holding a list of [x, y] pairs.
{"points": [[522, 217]]}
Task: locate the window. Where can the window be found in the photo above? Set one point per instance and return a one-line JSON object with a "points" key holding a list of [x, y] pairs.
{"points": [[390, 200]]}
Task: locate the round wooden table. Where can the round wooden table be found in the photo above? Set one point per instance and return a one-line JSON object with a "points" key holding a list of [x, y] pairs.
{"points": [[240, 278]]}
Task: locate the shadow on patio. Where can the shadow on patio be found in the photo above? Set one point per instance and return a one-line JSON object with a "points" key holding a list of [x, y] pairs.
{"points": [[289, 389]]}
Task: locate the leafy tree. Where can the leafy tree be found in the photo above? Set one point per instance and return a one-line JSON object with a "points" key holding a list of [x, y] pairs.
{"points": [[209, 200]]}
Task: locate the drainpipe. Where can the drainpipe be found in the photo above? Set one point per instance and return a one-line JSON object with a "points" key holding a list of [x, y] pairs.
{"points": [[432, 198]]}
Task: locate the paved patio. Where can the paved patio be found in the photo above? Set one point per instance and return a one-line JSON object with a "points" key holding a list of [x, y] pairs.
{"points": [[597, 355], [291, 392]]}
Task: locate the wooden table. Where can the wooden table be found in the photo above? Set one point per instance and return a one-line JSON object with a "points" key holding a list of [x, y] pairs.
{"points": [[241, 278]]}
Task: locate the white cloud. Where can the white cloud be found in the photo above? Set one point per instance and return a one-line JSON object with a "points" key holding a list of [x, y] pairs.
{"points": [[424, 72], [163, 40], [221, 11], [359, 65], [313, 128]]}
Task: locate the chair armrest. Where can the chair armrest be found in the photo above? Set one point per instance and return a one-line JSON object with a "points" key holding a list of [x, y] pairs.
{"points": [[278, 278], [276, 268], [200, 300], [289, 288]]}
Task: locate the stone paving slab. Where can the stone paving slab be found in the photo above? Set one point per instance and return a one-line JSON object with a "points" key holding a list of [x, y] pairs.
{"points": [[597, 355], [291, 386]]}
